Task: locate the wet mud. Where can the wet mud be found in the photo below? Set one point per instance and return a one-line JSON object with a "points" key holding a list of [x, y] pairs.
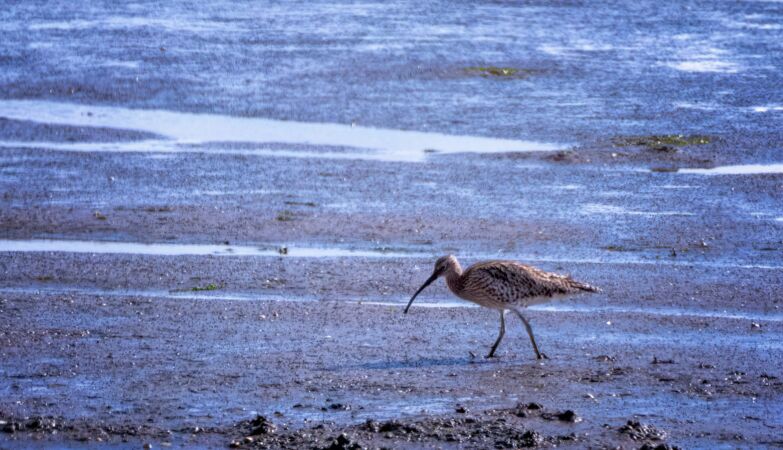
{"points": [[209, 229]]}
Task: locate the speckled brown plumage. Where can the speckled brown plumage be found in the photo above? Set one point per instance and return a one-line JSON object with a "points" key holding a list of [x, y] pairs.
{"points": [[504, 285]]}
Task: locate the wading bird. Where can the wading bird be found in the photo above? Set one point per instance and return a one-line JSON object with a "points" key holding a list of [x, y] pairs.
{"points": [[504, 285]]}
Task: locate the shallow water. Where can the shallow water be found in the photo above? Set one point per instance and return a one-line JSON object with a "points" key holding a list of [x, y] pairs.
{"points": [[745, 169], [137, 248], [557, 307], [295, 251], [183, 129], [363, 65]]}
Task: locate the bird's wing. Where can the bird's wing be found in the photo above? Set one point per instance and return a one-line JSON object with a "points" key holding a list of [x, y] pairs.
{"points": [[513, 281]]}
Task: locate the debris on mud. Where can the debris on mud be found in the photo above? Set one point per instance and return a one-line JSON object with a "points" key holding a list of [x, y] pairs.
{"points": [[567, 156], [261, 425], [294, 203], [343, 442], [487, 429], [662, 143], [502, 72], [648, 446], [655, 360], [157, 209], [339, 407], [664, 169], [642, 432], [565, 416], [285, 216], [33, 424]]}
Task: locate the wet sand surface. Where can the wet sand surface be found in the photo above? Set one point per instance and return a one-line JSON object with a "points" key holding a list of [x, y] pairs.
{"points": [[208, 232]]}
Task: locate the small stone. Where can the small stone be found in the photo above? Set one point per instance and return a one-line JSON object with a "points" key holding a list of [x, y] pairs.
{"points": [[531, 439], [648, 446], [461, 409], [755, 326], [372, 425], [662, 361], [343, 442], [262, 426], [642, 432], [569, 416]]}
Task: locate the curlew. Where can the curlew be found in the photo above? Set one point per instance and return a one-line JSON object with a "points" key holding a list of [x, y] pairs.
{"points": [[504, 286]]}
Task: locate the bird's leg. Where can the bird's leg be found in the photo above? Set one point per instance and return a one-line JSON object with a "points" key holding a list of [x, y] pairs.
{"points": [[529, 329], [500, 335]]}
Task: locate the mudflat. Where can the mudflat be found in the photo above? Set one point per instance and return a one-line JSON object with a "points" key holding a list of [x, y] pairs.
{"points": [[210, 228]]}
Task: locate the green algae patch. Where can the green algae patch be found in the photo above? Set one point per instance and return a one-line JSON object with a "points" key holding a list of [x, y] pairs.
{"points": [[499, 72], [285, 216], [208, 287], [663, 142]]}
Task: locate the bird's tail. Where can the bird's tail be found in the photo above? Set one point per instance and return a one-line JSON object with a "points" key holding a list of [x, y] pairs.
{"points": [[578, 285]]}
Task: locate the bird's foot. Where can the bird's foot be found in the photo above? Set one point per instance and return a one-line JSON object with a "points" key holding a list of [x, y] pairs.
{"points": [[542, 356], [490, 356]]}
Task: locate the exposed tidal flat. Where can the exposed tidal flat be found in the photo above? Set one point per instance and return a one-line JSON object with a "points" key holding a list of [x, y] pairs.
{"points": [[211, 219]]}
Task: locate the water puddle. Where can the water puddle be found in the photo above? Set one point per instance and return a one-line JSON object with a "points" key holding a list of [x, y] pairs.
{"points": [[699, 57], [181, 131], [445, 303], [158, 293], [677, 186], [136, 248], [597, 208], [767, 108], [270, 250], [564, 308], [706, 66], [176, 24], [700, 106], [742, 169]]}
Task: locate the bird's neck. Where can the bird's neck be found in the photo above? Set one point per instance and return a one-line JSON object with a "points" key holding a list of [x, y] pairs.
{"points": [[453, 279]]}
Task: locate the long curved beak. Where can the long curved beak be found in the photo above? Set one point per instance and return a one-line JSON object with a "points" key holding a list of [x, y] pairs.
{"points": [[429, 281]]}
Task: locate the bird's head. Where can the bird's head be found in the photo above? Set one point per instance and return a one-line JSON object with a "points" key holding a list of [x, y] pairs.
{"points": [[443, 266]]}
